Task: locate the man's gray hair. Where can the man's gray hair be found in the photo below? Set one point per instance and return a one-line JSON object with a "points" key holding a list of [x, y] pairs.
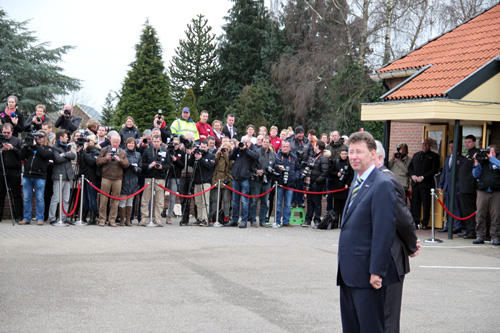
{"points": [[112, 134], [380, 149], [147, 132]]}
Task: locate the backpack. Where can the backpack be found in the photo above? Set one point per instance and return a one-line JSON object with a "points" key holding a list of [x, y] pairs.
{"points": [[330, 221]]}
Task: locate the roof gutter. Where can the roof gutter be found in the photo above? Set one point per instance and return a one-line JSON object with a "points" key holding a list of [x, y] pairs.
{"points": [[393, 74], [406, 81]]}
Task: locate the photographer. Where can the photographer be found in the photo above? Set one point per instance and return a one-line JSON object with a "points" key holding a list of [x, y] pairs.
{"points": [[155, 163], [62, 157], [399, 166], [303, 149], [12, 116], [160, 124], [262, 182], [67, 120], [36, 155], [35, 121], [113, 161], [129, 130], [174, 174], [88, 153], [288, 164], [11, 149], [186, 174], [245, 156], [203, 164], [487, 171], [130, 183], [341, 175], [223, 169], [319, 165]]}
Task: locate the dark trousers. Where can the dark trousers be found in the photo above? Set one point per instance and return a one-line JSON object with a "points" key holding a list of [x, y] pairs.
{"points": [[468, 207], [298, 198], [338, 207], [392, 306], [314, 204], [362, 309], [14, 184], [421, 196], [456, 209], [186, 202]]}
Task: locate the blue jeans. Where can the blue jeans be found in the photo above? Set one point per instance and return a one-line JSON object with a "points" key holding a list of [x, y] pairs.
{"points": [[242, 186], [298, 198], [28, 185], [284, 202], [90, 198], [257, 188]]}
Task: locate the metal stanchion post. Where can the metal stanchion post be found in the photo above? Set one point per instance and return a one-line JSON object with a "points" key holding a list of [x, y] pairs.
{"points": [[60, 223], [151, 205], [80, 222], [276, 202], [217, 224], [433, 231]]}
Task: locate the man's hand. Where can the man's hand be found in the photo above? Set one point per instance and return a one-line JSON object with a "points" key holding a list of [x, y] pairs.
{"points": [[376, 281], [260, 172], [117, 158], [414, 178], [152, 165], [79, 148], [7, 146], [418, 249], [197, 156], [108, 157]]}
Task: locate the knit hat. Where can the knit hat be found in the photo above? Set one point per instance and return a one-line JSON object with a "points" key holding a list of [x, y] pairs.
{"points": [[299, 129]]}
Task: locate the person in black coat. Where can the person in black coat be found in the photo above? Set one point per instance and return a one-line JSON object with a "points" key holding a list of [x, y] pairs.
{"points": [[13, 116], [35, 121], [341, 175], [423, 166], [319, 166], [87, 158], [174, 176], [67, 120], [36, 157], [129, 130], [130, 182]]}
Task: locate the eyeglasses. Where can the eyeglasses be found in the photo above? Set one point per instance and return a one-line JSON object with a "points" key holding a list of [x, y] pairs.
{"points": [[6, 132]]}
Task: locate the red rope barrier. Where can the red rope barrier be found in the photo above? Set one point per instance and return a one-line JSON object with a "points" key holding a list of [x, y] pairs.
{"points": [[455, 217], [76, 202], [307, 192], [116, 198], [186, 196], [250, 196]]}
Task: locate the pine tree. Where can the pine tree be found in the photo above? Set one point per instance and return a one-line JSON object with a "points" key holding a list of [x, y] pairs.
{"points": [[30, 70], [189, 100], [147, 87], [240, 47], [108, 110], [195, 61]]}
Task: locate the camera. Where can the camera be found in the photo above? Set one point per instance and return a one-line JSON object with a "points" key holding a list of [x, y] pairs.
{"points": [[160, 158], [81, 141], [171, 147], [67, 112], [306, 170], [286, 171], [30, 138], [197, 150], [223, 150], [113, 152], [342, 173], [188, 143], [300, 154], [241, 145], [145, 141], [226, 181], [109, 128], [136, 168], [482, 156], [159, 121], [38, 119], [398, 154]]}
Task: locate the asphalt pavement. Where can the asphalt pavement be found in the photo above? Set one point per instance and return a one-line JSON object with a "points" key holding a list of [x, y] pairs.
{"points": [[205, 279]]}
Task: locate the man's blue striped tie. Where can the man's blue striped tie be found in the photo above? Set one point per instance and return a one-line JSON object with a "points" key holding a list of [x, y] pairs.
{"points": [[355, 191]]}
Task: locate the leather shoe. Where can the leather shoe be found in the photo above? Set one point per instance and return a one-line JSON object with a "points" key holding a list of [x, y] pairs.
{"points": [[231, 224], [462, 234], [242, 225], [443, 230], [424, 227], [495, 242], [469, 236], [456, 231], [478, 241]]}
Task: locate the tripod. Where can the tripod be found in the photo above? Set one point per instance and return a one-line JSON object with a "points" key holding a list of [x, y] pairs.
{"points": [[7, 189]]}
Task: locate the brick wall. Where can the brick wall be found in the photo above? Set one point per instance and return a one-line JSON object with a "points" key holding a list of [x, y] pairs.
{"points": [[410, 133]]}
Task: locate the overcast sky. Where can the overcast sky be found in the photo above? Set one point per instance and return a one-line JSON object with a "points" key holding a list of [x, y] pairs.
{"points": [[105, 32]]}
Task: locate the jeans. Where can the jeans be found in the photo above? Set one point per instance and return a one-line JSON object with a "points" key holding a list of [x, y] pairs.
{"points": [[257, 188], [284, 202], [242, 186], [90, 198], [314, 204], [39, 186], [298, 198]]}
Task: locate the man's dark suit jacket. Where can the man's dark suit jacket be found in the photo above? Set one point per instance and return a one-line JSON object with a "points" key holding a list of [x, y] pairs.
{"points": [[367, 234], [226, 132], [424, 164], [466, 182], [405, 242], [445, 181]]}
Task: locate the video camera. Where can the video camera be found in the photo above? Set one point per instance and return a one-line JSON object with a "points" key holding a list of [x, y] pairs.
{"points": [[197, 150], [398, 154], [67, 112], [482, 154], [159, 121], [29, 140], [109, 128], [241, 145], [269, 173], [160, 158], [81, 141]]}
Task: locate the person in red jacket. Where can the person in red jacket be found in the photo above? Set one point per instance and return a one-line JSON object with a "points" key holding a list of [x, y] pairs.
{"points": [[275, 139], [203, 127]]}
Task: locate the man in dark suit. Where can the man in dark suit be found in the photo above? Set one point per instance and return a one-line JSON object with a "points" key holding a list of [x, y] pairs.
{"points": [[229, 130], [445, 185], [365, 265], [405, 245], [467, 187], [423, 166]]}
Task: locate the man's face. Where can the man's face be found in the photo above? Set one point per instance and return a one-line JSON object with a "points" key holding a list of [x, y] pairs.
{"points": [[250, 131], [300, 135], [469, 144], [204, 117], [11, 103], [40, 140], [101, 131], [310, 137], [450, 148], [156, 143], [7, 132], [225, 139], [230, 121], [283, 135], [262, 132], [426, 145], [177, 143], [335, 136], [211, 144], [403, 150], [39, 112], [274, 132], [265, 144], [46, 129], [156, 132], [64, 138], [203, 146], [115, 141], [185, 115], [360, 157], [285, 148], [259, 140]]}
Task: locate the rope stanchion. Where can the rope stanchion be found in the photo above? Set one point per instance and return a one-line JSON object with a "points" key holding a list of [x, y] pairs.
{"points": [[76, 202], [453, 216], [116, 198], [308, 192], [186, 196], [250, 196]]}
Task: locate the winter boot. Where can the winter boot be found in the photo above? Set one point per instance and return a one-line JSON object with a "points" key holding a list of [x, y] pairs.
{"points": [[121, 213], [128, 216]]}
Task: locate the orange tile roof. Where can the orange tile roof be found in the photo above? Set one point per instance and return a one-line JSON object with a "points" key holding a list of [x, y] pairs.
{"points": [[454, 56]]}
